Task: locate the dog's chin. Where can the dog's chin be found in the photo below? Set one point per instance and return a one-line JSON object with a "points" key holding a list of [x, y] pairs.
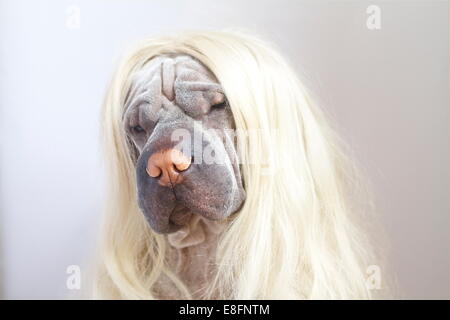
{"points": [[180, 216]]}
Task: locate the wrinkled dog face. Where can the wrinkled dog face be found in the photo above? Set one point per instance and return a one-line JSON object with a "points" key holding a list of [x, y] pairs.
{"points": [[177, 117]]}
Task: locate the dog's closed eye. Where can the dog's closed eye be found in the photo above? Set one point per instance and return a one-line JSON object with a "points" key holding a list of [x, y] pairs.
{"points": [[137, 130], [220, 104]]}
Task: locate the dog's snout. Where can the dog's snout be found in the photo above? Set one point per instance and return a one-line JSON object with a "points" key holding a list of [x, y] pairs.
{"points": [[167, 165]]}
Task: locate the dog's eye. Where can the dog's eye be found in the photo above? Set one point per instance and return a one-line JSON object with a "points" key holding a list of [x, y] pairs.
{"points": [[219, 105], [137, 129]]}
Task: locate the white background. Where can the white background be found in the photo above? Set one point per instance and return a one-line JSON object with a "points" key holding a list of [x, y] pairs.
{"points": [[387, 89]]}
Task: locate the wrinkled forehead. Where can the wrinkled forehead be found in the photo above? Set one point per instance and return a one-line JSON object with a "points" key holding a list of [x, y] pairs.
{"points": [[177, 78]]}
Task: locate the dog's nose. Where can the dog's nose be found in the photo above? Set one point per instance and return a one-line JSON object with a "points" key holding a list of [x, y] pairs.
{"points": [[167, 165]]}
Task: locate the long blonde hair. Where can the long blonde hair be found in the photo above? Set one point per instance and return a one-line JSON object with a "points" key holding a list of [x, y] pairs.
{"points": [[298, 234]]}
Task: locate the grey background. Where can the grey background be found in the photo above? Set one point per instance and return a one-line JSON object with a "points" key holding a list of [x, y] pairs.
{"points": [[387, 89]]}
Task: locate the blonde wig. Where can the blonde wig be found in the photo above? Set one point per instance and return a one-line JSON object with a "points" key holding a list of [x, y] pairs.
{"points": [[298, 234]]}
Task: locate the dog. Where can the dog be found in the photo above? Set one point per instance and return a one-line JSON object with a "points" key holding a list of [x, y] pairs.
{"points": [[188, 178]]}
